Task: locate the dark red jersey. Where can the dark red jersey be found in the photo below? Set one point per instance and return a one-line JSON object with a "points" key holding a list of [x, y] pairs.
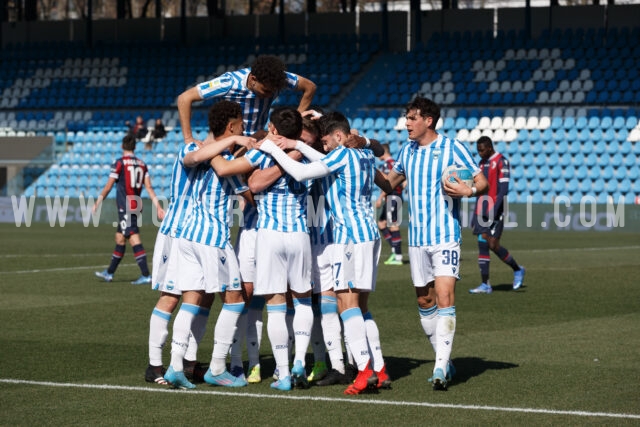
{"points": [[129, 173], [496, 170]]}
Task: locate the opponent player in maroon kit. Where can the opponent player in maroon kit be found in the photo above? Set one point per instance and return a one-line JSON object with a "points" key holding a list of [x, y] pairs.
{"points": [[129, 173], [488, 221]]}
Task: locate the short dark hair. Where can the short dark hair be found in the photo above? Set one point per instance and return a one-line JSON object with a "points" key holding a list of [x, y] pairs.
{"points": [[220, 114], [485, 140], [270, 71], [427, 108], [129, 142], [287, 121], [334, 121]]}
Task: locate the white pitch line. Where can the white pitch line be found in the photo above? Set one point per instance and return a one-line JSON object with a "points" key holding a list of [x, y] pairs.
{"points": [[328, 399], [49, 270]]}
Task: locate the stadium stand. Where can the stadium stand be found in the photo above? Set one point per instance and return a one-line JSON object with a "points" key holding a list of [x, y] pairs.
{"points": [[562, 106]]}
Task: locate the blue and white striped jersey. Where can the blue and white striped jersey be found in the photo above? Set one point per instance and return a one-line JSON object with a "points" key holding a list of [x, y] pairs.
{"points": [[250, 217], [180, 194], [283, 206], [434, 217], [319, 215], [349, 196], [208, 222], [232, 86]]}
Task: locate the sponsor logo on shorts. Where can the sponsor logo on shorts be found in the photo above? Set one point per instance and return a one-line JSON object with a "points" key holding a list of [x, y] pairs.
{"points": [[223, 260]]}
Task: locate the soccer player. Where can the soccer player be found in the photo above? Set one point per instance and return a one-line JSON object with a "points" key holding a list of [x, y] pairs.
{"points": [[129, 173], [326, 334], [434, 224], [356, 247], [164, 272], [488, 221], [390, 205], [255, 89], [206, 261]]}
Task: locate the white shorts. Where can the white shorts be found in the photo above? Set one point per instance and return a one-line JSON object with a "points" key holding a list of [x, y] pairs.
{"points": [[246, 253], [355, 265], [321, 268], [283, 258], [429, 262], [207, 268], [165, 265]]}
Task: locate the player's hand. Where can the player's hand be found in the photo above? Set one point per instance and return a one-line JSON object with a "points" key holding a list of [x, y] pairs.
{"points": [[94, 209], [312, 114], [378, 203], [355, 141], [456, 189], [160, 213], [284, 143]]}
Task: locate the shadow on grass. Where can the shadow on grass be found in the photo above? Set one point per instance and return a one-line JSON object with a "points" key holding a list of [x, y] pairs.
{"points": [[507, 287], [469, 367], [399, 367]]}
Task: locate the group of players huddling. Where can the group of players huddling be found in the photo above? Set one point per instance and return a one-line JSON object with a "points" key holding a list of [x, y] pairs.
{"points": [[308, 245]]}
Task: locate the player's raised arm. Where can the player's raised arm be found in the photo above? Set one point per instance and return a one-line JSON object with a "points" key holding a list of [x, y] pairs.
{"points": [[184, 102], [308, 89]]}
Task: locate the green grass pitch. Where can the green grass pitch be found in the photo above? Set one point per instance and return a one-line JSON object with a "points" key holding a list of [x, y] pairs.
{"points": [[564, 350]]}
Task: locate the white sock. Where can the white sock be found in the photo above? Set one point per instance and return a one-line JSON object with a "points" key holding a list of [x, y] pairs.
{"points": [[373, 338], [429, 322], [223, 336], [332, 331], [198, 328], [254, 332], [279, 337], [302, 324], [291, 312], [445, 331], [356, 336], [158, 332], [181, 332], [239, 339]]}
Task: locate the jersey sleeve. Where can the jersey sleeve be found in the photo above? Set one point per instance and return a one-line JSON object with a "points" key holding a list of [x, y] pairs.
{"points": [[335, 159], [292, 80], [257, 158], [185, 150], [398, 166], [504, 173], [216, 87], [462, 156], [116, 168]]}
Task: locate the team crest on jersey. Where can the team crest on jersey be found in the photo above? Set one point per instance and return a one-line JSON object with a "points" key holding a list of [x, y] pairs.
{"points": [[223, 259], [436, 154]]}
